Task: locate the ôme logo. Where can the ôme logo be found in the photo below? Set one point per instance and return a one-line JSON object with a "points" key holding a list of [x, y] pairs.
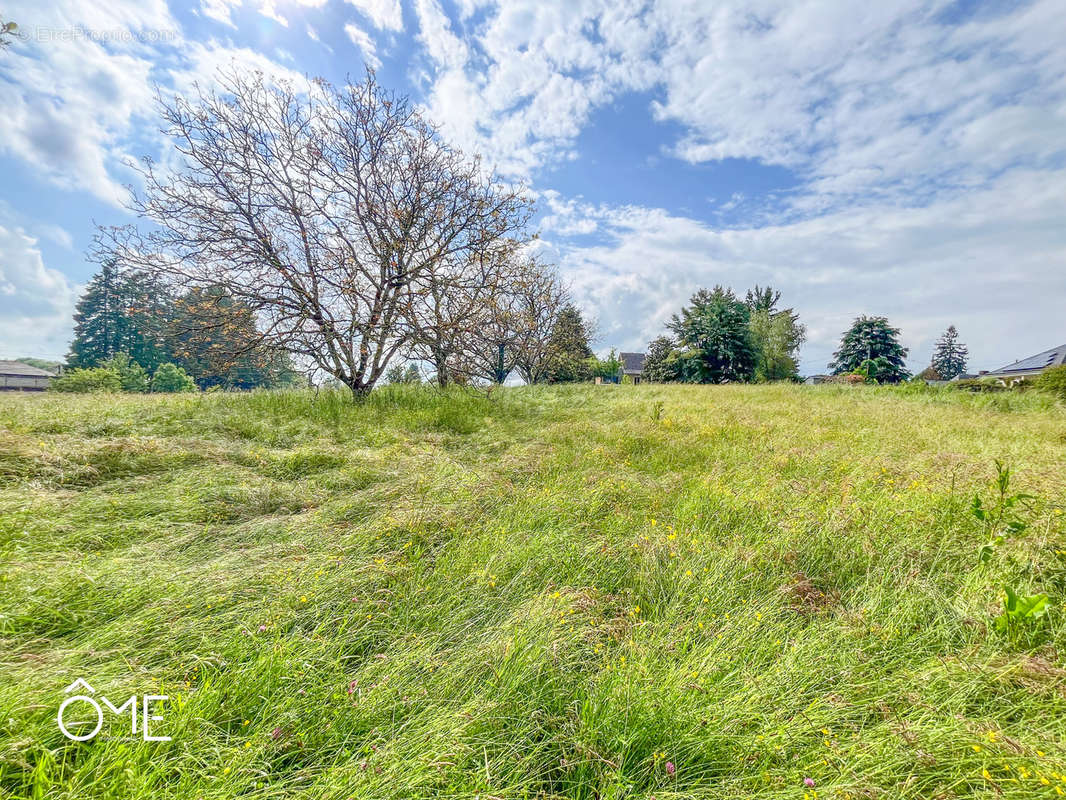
{"points": [[136, 710]]}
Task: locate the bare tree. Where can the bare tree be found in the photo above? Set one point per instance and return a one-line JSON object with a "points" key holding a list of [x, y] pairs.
{"points": [[459, 298], [326, 210], [539, 297]]}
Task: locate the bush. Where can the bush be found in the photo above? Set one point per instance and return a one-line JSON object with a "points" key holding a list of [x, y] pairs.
{"points": [[131, 374], [1052, 380], [172, 378], [96, 379]]}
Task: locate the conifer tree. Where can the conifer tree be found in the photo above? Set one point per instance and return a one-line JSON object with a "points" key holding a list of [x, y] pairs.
{"points": [[569, 345], [121, 311], [718, 340], [873, 340], [949, 357]]}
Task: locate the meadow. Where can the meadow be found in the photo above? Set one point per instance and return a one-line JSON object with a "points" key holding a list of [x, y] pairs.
{"points": [[549, 592]]}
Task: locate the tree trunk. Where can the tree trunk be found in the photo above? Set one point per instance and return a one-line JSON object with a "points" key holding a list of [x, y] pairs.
{"points": [[441, 364], [360, 391]]}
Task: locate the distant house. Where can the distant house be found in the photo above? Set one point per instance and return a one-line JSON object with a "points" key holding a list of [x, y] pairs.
{"points": [[632, 365], [18, 377], [1029, 367], [812, 380]]}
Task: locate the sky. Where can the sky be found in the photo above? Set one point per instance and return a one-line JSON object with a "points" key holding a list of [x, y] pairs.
{"points": [[903, 159]]}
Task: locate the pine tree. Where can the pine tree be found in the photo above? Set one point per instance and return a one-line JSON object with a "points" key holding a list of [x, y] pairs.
{"points": [[871, 345], [97, 320], [949, 357], [569, 345]]}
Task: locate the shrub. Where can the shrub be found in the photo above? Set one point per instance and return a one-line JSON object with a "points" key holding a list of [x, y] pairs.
{"points": [[978, 385], [1052, 380], [172, 378], [131, 374], [96, 379]]}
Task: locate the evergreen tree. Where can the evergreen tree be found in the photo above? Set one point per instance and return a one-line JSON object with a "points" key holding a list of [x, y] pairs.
{"points": [[871, 339], [660, 362], [717, 338], [760, 299], [122, 311], [97, 320], [569, 346], [949, 357]]}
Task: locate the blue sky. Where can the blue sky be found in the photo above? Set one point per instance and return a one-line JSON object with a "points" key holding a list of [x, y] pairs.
{"points": [[905, 159]]}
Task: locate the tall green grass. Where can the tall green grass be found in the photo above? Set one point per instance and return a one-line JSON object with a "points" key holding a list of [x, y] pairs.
{"points": [[581, 592]]}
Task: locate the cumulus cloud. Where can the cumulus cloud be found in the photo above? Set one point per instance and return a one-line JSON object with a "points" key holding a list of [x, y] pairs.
{"points": [[36, 302], [80, 87], [897, 100]]}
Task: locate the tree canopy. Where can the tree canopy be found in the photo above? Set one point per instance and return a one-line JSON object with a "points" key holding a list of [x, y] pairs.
{"points": [[871, 346], [777, 335], [718, 343]]}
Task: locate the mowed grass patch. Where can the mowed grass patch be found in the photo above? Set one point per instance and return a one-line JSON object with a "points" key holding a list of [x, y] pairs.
{"points": [[586, 592]]}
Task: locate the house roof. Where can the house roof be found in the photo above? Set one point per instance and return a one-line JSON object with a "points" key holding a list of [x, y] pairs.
{"points": [[23, 370], [632, 363], [1038, 363]]}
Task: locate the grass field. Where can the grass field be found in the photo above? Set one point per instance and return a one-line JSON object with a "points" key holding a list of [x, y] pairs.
{"points": [[586, 592]]}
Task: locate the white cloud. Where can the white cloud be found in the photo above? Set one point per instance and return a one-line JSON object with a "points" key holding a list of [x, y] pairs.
{"points": [[892, 100], [222, 10], [76, 86], [80, 87], [384, 14], [362, 40], [447, 50], [36, 302]]}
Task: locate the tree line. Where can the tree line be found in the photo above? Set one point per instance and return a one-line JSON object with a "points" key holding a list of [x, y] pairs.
{"points": [[719, 338], [135, 333]]}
